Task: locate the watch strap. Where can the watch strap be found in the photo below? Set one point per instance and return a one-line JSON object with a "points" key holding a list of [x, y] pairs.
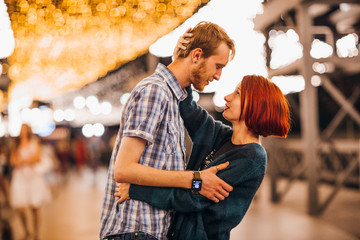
{"points": [[197, 175]]}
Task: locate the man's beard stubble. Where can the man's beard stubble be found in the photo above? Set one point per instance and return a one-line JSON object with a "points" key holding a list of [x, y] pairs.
{"points": [[198, 76]]}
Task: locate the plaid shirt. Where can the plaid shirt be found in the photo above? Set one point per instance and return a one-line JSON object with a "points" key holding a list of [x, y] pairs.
{"points": [[151, 113]]}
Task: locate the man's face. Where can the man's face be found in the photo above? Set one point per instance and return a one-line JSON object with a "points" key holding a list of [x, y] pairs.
{"points": [[210, 68]]}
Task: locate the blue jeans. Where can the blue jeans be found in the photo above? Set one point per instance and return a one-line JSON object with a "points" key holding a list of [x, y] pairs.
{"points": [[131, 236]]}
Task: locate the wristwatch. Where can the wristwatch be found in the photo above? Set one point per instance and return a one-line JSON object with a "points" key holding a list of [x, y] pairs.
{"points": [[196, 183]]}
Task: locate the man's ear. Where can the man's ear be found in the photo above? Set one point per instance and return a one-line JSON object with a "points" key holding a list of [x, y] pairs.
{"points": [[196, 54]]}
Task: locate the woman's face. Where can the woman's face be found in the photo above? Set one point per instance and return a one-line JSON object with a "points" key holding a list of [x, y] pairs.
{"points": [[233, 106]]}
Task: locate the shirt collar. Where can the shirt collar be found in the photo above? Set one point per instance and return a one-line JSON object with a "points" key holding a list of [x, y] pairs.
{"points": [[171, 80]]}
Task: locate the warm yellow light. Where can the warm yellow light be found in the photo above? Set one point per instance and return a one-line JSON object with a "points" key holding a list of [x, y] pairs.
{"points": [[63, 46]]}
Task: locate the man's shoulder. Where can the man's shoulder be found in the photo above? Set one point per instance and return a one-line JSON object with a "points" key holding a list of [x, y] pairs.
{"points": [[154, 82], [154, 78]]}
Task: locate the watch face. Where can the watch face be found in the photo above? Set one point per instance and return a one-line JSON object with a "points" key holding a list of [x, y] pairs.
{"points": [[196, 185]]}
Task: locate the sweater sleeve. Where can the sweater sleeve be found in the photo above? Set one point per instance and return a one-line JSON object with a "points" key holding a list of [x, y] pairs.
{"points": [[180, 199], [198, 122]]}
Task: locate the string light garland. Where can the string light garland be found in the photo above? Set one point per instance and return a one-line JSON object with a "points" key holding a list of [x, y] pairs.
{"points": [[64, 45]]}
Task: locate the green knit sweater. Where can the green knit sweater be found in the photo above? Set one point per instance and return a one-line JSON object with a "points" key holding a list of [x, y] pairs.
{"points": [[196, 217]]}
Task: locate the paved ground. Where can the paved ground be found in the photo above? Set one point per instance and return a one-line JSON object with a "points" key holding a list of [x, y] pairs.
{"points": [[75, 210]]}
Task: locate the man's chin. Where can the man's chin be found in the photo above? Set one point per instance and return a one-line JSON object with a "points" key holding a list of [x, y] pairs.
{"points": [[199, 88]]}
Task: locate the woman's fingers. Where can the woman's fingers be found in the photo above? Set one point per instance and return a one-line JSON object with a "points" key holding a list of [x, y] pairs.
{"points": [[122, 191], [182, 42], [187, 33], [117, 192], [122, 199], [184, 39]]}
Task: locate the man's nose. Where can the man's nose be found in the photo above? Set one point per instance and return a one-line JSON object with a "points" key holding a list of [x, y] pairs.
{"points": [[217, 75]]}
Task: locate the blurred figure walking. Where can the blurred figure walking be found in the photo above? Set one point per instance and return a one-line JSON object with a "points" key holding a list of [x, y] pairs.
{"points": [[4, 172], [79, 151], [28, 188]]}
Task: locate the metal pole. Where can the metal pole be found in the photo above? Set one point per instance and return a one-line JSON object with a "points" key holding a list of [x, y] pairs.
{"points": [[309, 110]]}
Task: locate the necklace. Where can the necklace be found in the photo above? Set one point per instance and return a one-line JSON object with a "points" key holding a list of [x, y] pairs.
{"points": [[208, 159]]}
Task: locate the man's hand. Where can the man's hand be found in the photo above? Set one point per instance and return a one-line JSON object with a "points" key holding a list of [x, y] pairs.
{"points": [[122, 191], [213, 187]]}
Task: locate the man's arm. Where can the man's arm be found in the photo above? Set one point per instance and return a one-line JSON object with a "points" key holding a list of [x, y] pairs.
{"points": [[129, 170], [245, 175]]}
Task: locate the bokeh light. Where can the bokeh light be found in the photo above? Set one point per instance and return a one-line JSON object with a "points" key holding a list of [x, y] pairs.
{"points": [[63, 45]]}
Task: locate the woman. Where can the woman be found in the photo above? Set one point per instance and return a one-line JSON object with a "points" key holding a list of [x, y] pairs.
{"points": [[256, 108], [28, 187]]}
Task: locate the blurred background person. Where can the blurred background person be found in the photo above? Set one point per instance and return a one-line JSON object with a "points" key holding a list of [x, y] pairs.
{"points": [[63, 153], [79, 151], [28, 188], [96, 148], [4, 172], [49, 166]]}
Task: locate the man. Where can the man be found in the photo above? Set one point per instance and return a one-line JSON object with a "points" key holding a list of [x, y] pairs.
{"points": [[152, 134]]}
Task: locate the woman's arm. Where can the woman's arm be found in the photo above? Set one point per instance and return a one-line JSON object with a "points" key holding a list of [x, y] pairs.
{"points": [[206, 133], [200, 125]]}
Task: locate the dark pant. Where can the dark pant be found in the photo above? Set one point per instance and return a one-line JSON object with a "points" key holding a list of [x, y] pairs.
{"points": [[131, 236]]}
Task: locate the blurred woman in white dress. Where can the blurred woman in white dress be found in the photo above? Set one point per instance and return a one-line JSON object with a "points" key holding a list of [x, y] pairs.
{"points": [[28, 188]]}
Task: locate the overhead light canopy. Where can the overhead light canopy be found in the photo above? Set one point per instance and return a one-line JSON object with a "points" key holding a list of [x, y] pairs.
{"points": [[63, 45]]}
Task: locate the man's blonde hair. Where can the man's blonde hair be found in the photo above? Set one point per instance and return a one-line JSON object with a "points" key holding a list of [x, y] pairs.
{"points": [[207, 36]]}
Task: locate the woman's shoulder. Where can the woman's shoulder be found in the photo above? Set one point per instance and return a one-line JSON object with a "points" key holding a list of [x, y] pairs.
{"points": [[247, 162], [250, 152], [258, 149], [250, 149]]}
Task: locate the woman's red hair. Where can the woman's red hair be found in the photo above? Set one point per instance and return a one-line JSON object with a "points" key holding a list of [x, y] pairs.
{"points": [[266, 110]]}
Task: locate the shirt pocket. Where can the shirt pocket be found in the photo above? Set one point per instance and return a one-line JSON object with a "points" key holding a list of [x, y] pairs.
{"points": [[171, 138]]}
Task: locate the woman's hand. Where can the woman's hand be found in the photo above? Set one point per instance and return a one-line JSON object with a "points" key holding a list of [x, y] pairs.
{"points": [[122, 191], [213, 187], [182, 43]]}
